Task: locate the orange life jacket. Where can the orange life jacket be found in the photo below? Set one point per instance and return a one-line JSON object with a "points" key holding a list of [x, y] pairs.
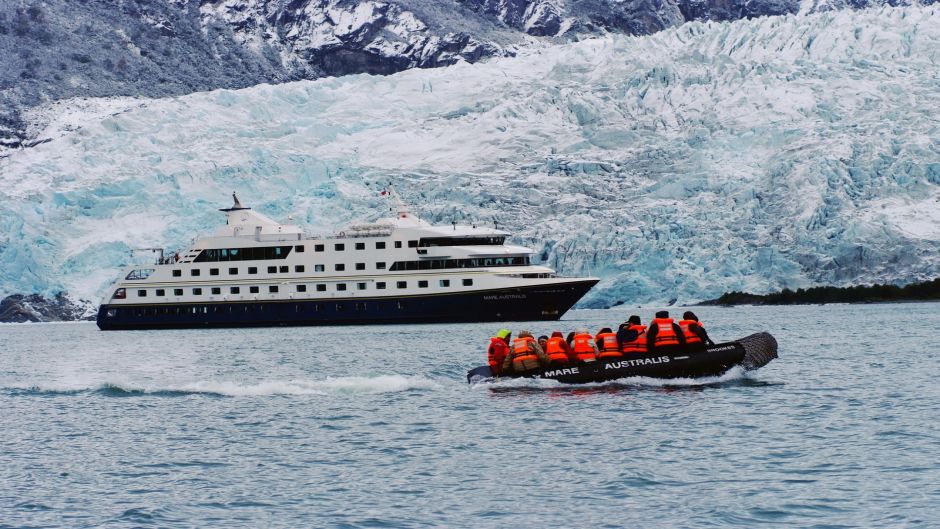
{"points": [[607, 344], [690, 337], [666, 335], [523, 358], [581, 346], [639, 344], [496, 353], [555, 350]]}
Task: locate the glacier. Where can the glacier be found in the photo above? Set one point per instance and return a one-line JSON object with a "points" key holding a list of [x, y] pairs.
{"points": [[755, 155]]}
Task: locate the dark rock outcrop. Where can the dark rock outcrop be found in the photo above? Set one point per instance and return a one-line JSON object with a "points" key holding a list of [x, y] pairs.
{"points": [[35, 308]]}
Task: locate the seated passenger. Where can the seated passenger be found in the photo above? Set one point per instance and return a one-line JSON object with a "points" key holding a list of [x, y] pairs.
{"points": [[606, 342], [557, 350], [570, 339], [695, 336], [583, 347], [632, 336], [664, 336], [525, 355], [543, 341], [497, 351]]}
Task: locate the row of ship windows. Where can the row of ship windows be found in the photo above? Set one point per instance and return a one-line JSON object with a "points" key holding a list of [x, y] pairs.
{"points": [[252, 270], [432, 264], [274, 289], [248, 307], [277, 252]]}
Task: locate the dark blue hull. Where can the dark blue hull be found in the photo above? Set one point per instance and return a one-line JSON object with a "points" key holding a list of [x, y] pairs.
{"points": [[544, 302]]}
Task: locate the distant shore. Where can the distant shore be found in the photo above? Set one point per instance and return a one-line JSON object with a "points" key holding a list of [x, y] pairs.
{"points": [[924, 291]]}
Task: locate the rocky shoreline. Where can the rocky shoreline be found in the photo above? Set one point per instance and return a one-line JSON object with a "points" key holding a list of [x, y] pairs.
{"points": [[19, 308]]}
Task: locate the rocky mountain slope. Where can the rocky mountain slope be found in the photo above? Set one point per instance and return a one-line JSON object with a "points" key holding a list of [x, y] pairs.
{"points": [[60, 49]]}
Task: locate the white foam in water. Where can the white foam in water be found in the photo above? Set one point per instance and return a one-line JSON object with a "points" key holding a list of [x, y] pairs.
{"points": [[329, 386]]}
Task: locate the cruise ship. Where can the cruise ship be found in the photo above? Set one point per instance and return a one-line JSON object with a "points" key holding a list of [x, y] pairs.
{"points": [[257, 272]]}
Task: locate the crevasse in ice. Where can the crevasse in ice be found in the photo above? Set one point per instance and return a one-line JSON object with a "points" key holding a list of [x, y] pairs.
{"points": [[776, 152]]}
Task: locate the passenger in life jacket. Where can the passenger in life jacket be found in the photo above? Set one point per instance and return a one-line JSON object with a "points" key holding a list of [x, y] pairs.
{"points": [[632, 336], [498, 350], [543, 341], [525, 355], [583, 347], [695, 336], [557, 350], [607, 347], [664, 336]]}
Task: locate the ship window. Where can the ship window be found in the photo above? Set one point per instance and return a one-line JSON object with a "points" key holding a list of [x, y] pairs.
{"points": [[412, 244], [462, 241], [317, 307], [177, 291], [468, 282], [299, 248], [243, 254], [397, 244], [319, 268], [177, 273], [232, 271], [318, 247], [161, 292], [272, 289], [301, 288], [216, 290], [235, 290], [340, 286], [194, 272], [401, 305], [272, 269], [298, 268], [340, 267], [213, 271], [252, 269], [120, 294], [361, 286], [142, 293], [402, 284], [380, 265], [339, 247], [380, 285], [284, 269], [139, 274], [360, 266], [360, 246], [321, 287], [339, 307], [360, 306], [252, 290], [197, 291], [380, 246], [422, 284], [444, 282]]}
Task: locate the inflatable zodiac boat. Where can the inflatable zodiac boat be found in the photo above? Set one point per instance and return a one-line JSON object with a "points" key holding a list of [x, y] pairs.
{"points": [[752, 352]]}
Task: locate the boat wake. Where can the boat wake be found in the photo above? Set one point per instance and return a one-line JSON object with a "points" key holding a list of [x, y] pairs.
{"points": [[328, 386]]}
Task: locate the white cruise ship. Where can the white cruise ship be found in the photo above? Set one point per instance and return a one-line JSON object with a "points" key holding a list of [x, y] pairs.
{"points": [[256, 272]]}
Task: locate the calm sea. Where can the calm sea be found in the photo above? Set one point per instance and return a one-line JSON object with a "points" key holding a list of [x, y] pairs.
{"points": [[377, 427]]}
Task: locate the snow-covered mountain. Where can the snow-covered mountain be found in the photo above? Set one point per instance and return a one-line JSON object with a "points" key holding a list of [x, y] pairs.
{"points": [[59, 49], [776, 152]]}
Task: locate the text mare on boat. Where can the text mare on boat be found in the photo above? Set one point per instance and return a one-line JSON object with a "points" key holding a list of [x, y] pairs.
{"points": [[254, 271], [750, 353]]}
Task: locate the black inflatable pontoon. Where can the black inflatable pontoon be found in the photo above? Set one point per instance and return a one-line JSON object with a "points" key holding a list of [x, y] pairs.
{"points": [[751, 352]]}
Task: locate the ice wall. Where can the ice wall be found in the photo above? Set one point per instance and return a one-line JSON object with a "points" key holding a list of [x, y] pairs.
{"points": [[777, 152]]}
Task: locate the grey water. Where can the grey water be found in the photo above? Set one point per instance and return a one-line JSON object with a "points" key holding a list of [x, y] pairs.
{"points": [[377, 427]]}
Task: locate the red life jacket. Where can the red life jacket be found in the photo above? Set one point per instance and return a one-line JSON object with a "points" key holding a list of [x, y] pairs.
{"points": [[666, 334], [607, 344], [523, 358], [496, 353], [556, 350], [639, 344], [581, 346], [690, 337]]}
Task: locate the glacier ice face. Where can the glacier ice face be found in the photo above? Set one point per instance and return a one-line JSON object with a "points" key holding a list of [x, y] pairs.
{"points": [[777, 152]]}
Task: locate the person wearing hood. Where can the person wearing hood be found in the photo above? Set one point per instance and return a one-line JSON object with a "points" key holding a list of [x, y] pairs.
{"points": [[664, 335], [525, 355], [632, 336], [498, 350], [558, 350], [695, 336], [583, 347]]}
